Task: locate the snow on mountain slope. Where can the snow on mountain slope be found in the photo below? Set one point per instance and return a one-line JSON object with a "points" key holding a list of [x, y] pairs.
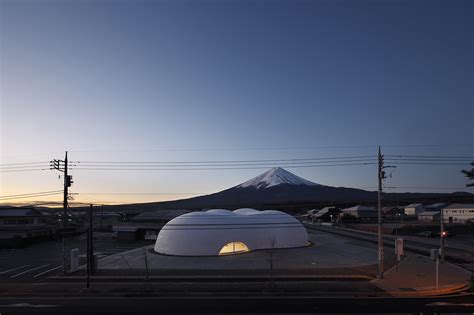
{"points": [[276, 176]]}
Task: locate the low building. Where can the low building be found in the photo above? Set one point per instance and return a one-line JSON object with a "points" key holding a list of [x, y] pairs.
{"points": [[414, 209], [327, 214], [146, 225], [392, 211], [458, 213], [429, 216], [435, 207], [362, 212], [105, 220], [21, 226]]}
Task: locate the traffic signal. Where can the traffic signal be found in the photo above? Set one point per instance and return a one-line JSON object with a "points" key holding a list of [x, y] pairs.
{"points": [[444, 234]]}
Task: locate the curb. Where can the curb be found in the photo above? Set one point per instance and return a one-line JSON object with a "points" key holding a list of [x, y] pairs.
{"points": [[433, 292]]}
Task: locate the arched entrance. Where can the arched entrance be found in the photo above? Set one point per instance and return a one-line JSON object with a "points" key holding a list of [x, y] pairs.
{"points": [[233, 248]]}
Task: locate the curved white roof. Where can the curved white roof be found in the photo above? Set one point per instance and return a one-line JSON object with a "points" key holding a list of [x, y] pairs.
{"points": [[206, 233]]}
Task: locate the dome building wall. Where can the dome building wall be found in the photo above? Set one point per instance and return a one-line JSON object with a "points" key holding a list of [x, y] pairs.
{"points": [[218, 231]]}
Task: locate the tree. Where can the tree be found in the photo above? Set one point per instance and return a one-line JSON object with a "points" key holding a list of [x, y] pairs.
{"points": [[469, 174]]}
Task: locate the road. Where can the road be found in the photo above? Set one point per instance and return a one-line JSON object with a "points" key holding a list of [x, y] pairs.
{"points": [[233, 304], [463, 258], [42, 260]]}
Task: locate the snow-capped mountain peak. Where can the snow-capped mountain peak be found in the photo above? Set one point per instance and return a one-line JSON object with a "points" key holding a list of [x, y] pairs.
{"points": [[276, 176]]}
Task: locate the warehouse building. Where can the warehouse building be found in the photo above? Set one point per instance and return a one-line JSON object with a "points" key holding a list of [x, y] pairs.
{"points": [[458, 213]]}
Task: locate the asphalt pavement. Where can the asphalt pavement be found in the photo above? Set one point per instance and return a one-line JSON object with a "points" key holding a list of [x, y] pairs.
{"points": [[463, 257], [272, 303], [42, 260]]}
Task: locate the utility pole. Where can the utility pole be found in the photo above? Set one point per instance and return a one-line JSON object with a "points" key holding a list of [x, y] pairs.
{"points": [[101, 214], [381, 176], [62, 166], [90, 254], [441, 236]]}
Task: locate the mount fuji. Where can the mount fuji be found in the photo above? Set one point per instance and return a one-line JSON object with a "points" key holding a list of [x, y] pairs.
{"points": [[278, 188], [274, 177]]}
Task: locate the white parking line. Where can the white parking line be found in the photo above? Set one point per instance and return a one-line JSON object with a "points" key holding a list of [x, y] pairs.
{"points": [[29, 270], [7, 271], [49, 270]]}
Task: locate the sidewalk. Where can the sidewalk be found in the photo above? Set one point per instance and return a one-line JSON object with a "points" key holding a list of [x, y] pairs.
{"points": [[416, 276]]}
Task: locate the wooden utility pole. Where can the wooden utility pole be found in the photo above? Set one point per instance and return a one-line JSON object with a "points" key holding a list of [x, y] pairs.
{"points": [[65, 194], [89, 248], [62, 166], [441, 236], [90, 254], [381, 176]]}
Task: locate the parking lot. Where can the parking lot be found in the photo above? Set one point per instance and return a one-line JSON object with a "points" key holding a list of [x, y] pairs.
{"points": [[39, 261]]}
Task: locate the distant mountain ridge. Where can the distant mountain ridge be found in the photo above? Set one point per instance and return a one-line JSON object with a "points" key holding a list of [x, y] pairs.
{"points": [[279, 188]]}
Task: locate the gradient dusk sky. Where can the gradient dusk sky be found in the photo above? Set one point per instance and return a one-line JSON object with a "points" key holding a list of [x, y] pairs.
{"points": [[239, 80]]}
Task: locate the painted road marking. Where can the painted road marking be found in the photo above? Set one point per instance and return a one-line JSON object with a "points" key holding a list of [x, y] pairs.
{"points": [[7, 271], [49, 270], [29, 270]]}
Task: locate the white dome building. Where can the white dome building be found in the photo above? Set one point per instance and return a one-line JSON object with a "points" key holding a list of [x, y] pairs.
{"points": [[222, 232]]}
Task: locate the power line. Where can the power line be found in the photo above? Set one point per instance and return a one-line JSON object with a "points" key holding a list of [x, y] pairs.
{"points": [[2, 168], [431, 156], [32, 196], [217, 165], [24, 170], [36, 193], [225, 161], [26, 163], [427, 163], [209, 168]]}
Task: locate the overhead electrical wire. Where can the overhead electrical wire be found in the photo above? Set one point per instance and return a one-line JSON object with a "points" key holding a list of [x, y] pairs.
{"points": [[31, 196], [23, 164], [246, 164], [24, 170], [184, 168], [231, 161], [36, 193]]}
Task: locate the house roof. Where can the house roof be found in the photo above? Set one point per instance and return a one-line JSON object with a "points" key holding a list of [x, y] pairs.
{"points": [[321, 212], [436, 206], [325, 210], [413, 205], [359, 208], [460, 206], [18, 212], [429, 213], [388, 209]]}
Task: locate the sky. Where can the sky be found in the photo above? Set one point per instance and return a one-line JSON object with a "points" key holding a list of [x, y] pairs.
{"points": [[232, 80]]}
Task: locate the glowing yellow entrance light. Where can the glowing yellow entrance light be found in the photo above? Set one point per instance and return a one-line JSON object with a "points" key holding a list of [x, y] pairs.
{"points": [[233, 248]]}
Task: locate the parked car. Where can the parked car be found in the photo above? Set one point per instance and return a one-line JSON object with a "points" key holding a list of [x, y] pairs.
{"points": [[426, 234]]}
